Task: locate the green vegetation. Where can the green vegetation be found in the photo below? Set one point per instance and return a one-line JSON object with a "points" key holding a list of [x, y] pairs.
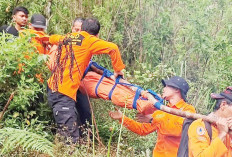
{"points": [[157, 39]]}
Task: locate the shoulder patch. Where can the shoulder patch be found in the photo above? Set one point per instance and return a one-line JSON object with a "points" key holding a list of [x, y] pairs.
{"points": [[75, 40], [200, 130]]}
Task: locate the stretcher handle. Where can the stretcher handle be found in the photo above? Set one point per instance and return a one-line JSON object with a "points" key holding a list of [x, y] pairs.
{"points": [[178, 112]]}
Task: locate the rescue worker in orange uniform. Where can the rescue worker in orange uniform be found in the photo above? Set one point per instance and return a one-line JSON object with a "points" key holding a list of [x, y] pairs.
{"points": [[82, 103], [167, 126], [200, 144], [74, 53], [37, 29]]}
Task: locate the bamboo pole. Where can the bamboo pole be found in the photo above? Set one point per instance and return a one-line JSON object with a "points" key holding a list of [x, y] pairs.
{"points": [[180, 112]]}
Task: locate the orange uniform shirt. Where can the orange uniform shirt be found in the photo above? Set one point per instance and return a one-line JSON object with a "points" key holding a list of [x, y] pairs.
{"points": [[85, 46], [37, 40], [168, 129], [200, 145]]}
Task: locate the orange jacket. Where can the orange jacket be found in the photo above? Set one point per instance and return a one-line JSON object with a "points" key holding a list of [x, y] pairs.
{"points": [[168, 129], [200, 145], [85, 46], [37, 40]]}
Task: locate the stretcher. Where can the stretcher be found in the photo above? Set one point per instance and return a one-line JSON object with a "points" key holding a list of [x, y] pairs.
{"points": [[97, 83]]}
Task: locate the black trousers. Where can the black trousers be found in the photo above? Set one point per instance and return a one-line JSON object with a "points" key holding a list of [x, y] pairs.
{"points": [[69, 115], [83, 108]]}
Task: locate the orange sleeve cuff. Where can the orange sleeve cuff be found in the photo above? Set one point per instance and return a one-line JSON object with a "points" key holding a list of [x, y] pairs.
{"points": [[125, 119], [119, 68], [218, 146]]}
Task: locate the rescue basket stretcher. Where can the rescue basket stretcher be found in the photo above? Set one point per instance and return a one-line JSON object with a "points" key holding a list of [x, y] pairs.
{"points": [[120, 92]]}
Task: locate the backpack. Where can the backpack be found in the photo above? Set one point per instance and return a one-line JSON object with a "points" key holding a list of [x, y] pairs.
{"points": [[183, 147]]}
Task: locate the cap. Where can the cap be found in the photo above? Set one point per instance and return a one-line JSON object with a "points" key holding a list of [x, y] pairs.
{"points": [[178, 82], [227, 94], [38, 21]]}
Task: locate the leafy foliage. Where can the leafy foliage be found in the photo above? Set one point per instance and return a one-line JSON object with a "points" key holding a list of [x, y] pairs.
{"points": [[11, 139], [21, 72], [157, 39]]}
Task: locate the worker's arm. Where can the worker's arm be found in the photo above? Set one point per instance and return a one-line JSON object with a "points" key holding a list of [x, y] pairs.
{"points": [[99, 46], [55, 39], [136, 127], [200, 144]]}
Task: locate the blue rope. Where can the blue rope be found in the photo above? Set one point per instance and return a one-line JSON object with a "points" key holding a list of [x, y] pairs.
{"points": [[116, 82], [87, 69], [158, 105], [103, 75], [161, 100], [127, 84], [108, 73], [137, 94]]}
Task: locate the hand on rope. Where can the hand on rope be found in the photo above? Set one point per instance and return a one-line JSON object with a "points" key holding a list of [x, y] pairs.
{"points": [[118, 73]]}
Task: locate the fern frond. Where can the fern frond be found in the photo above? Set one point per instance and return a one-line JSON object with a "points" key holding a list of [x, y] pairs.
{"points": [[11, 138]]}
